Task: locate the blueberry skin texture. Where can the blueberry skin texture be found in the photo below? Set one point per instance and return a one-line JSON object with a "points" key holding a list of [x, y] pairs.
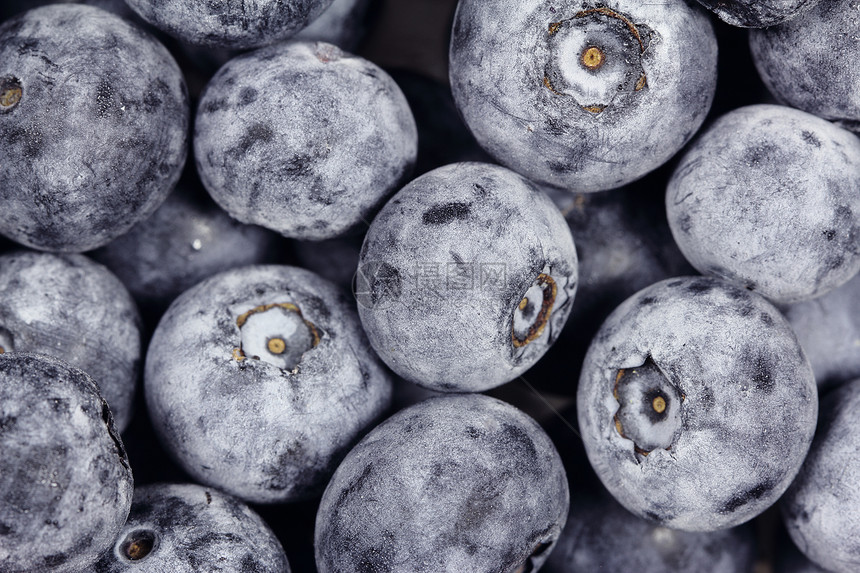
{"points": [[189, 528], [66, 484], [262, 432], [740, 404], [828, 329], [600, 535], [72, 308], [757, 13], [820, 509], [456, 483], [809, 62], [96, 133], [236, 24], [343, 24], [445, 271], [533, 104], [769, 198], [304, 139]]}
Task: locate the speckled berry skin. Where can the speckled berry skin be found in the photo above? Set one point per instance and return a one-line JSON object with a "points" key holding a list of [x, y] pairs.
{"points": [[828, 329], [757, 13], [187, 528], [810, 62], [466, 277], [821, 509], [453, 484], [65, 482], [600, 535], [304, 139], [93, 120], [769, 198], [72, 308], [12, 7], [580, 96], [262, 429], [696, 404], [187, 239], [343, 24], [236, 24]]}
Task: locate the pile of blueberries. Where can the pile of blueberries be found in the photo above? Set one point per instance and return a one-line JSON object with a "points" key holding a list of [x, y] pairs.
{"points": [[313, 347]]}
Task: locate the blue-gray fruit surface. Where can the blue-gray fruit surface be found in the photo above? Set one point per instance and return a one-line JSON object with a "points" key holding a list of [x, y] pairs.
{"points": [[757, 13], [259, 380], [696, 404], [466, 277], [65, 482], [304, 139], [188, 528], [769, 198], [821, 509], [810, 62], [600, 535], [453, 484], [93, 119], [236, 24], [72, 308], [828, 329], [580, 95]]}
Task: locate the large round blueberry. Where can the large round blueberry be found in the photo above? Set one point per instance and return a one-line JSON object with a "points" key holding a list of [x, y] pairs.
{"points": [[65, 482], [259, 379], [696, 404], [821, 509], [93, 120], [580, 95], [600, 535], [303, 138], [72, 308], [457, 483], [810, 62], [189, 528], [466, 278], [757, 13], [235, 24], [769, 198]]}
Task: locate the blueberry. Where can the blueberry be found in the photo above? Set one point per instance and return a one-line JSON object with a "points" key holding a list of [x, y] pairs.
{"points": [[581, 96], [810, 62], [65, 482], [343, 24], [93, 118], [757, 13], [696, 404], [259, 379], [189, 528], [828, 329], [466, 277], [821, 509], [767, 198], [303, 139], [457, 483], [72, 308], [600, 535], [12, 7], [233, 24]]}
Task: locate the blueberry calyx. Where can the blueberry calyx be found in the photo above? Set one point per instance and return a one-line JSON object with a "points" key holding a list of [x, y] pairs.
{"points": [[139, 544], [275, 333], [533, 311], [11, 93]]}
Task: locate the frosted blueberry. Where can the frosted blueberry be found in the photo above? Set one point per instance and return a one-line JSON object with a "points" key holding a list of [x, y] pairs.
{"points": [[11, 7], [579, 95], [343, 24], [259, 379], [72, 308], [757, 13], [65, 481], [769, 198], [456, 483], [696, 404], [810, 62], [237, 24], [93, 120], [466, 277], [303, 139], [821, 509], [187, 529]]}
